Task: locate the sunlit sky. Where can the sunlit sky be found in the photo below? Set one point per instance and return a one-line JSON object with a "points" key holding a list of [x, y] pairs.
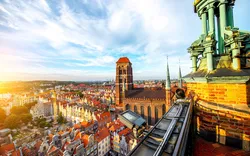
{"points": [[82, 39]]}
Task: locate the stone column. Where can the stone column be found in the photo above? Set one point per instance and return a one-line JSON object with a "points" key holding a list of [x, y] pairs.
{"points": [[194, 63], [220, 46], [235, 52], [223, 23], [208, 44], [230, 16], [204, 23], [211, 19], [209, 61]]}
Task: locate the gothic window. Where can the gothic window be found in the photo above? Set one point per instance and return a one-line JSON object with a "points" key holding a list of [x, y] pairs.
{"points": [[135, 109], [156, 114], [142, 111], [149, 115], [163, 109], [127, 107]]}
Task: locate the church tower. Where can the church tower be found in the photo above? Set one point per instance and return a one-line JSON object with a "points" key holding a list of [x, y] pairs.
{"points": [[124, 78]]}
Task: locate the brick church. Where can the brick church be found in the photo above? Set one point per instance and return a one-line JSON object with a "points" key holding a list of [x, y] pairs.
{"points": [[150, 103]]}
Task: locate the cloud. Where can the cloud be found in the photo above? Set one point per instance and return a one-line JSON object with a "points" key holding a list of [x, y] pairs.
{"points": [[63, 38]]}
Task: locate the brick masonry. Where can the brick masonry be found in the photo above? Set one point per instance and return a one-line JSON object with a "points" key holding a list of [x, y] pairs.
{"points": [[222, 112], [221, 93], [144, 105]]}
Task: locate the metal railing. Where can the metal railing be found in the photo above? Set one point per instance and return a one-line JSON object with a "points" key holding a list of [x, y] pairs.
{"points": [[169, 135]]}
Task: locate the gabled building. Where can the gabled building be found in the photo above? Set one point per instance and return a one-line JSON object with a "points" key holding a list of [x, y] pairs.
{"points": [[103, 139]]}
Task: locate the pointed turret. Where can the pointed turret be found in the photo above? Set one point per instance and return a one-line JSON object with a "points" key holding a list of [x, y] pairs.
{"points": [[180, 77], [168, 82], [168, 88]]}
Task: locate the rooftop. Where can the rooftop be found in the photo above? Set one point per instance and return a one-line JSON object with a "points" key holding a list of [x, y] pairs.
{"points": [[131, 119], [123, 60], [151, 94], [102, 134]]}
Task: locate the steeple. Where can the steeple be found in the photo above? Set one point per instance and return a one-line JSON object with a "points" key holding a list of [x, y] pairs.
{"points": [[168, 83], [180, 77]]}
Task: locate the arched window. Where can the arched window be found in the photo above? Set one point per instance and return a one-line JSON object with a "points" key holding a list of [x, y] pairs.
{"points": [[149, 115], [156, 114], [127, 107], [142, 111], [135, 109], [163, 109]]}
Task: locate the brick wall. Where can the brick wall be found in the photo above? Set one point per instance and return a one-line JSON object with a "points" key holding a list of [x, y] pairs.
{"points": [[146, 103], [221, 93], [224, 125], [222, 113]]}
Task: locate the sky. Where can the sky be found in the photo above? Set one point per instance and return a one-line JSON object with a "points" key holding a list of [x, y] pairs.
{"points": [[82, 39]]}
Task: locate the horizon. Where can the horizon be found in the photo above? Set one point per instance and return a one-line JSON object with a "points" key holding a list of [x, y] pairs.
{"points": [[82, 40]]}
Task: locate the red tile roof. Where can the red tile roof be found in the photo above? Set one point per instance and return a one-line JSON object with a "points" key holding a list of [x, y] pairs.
{"points": [[123, 60], [78, 136], [102, 134], [37, 145], [86, 124], [85, 139], [125, 132], [52, 149], [6, 148], [77, 126], [16, 153]]}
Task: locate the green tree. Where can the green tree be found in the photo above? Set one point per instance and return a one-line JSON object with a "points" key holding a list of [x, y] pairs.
{"points": [[19, 110], [12, 121], [80, 94], [2, 115], [61, 119], [42, 124], [26, 118]]}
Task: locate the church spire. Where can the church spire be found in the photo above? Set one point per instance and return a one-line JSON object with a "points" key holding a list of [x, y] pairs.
{"points": [[168, 83], [180, 77]]}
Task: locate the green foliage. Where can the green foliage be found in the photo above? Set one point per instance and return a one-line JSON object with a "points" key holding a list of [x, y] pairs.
{"points": [[2, 115], [26, 118], [12, 121], [80, 94], [41, 122], [19, 110], [61, 119]]}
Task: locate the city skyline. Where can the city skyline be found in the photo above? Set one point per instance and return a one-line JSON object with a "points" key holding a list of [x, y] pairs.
{"points": [[82, 40]]}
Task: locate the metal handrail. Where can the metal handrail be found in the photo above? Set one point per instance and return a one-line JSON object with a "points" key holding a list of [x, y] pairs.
{"points": [[168, 133]]}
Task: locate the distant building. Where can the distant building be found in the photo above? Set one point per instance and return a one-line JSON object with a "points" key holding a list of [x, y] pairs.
{"points": [[150, 103], [42, 109]]}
